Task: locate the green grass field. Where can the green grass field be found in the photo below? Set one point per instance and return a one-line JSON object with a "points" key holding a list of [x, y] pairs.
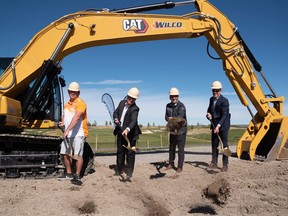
{"points": [[156, 137], [101, 139]]}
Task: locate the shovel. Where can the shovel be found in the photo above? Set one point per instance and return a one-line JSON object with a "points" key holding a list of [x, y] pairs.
{"points": [[226, 151], [129, 146], [71, 153], [127, 140]]}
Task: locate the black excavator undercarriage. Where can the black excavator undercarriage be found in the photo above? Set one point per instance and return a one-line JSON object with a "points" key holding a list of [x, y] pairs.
{"points": [[35, 156]]}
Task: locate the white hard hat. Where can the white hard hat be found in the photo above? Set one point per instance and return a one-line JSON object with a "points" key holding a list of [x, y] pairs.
{"points": [[174, 91], [74, 86], [216, 85], [133, 92]]}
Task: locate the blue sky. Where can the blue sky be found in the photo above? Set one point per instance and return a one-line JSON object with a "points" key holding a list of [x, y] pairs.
{"points": [[156, 66]]}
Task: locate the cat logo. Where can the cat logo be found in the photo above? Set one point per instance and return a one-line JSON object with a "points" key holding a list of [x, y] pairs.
{"points": [[136, 25]]}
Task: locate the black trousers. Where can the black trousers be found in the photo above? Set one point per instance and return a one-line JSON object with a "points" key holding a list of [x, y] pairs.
{"points": [[125, 158], [177, 140], [215, 143]]}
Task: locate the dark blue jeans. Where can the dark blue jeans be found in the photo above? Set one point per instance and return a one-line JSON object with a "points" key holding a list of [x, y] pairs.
{"points": [[177, 140], [215, 143]]}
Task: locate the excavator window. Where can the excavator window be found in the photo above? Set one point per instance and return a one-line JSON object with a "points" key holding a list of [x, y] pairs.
{"points": [[4, 63]]}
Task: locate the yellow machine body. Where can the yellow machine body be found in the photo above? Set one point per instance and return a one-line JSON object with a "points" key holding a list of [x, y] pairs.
{"points": [[266, 135]]}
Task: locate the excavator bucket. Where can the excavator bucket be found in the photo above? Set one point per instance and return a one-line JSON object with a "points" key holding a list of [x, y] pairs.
{"points": [[271, 146], [279, 150]]}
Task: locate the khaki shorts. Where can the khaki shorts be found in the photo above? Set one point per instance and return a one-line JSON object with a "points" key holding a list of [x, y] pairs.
{"points": [[77, 144]]}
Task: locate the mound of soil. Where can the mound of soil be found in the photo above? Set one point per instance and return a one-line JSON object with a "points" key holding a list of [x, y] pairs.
{"points": [[248, 188]]}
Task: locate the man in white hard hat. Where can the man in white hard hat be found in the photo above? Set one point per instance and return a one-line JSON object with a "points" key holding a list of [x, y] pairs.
{"points": [[74, 120], [126, 118], [176, 111], [218, 113]]}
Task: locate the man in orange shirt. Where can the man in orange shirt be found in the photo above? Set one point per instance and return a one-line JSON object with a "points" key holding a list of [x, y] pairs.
{"points": [[76, 130]]}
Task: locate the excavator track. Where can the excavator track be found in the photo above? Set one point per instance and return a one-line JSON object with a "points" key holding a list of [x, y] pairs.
{"points": [[36, 157], [24, 155]]}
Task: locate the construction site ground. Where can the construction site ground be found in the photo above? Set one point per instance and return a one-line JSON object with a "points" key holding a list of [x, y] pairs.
{"points": [[248, 188]]}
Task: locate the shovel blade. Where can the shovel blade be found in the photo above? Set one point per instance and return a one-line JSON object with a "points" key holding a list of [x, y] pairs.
{"points": [[225, 151], [131, 149], [74, 157]]}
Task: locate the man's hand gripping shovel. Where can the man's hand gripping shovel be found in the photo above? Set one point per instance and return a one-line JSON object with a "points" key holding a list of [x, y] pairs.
{"points": [[134, 148], [226, 151], [71, 152]]}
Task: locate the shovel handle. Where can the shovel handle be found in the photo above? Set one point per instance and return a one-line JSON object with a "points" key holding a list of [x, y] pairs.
{"points": [[213, 126], [71, 153], [225, 151], [129, 145], [66, 139]]}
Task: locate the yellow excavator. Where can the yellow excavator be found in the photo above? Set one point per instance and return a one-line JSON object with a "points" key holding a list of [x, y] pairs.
{"points": [[30, 83]]}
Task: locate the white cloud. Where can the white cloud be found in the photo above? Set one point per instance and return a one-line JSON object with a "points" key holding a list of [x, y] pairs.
{"points": [[111, 82], [228, 93]]}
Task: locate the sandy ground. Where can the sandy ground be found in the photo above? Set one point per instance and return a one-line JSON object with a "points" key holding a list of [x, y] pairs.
{"points": [[248, 188]]}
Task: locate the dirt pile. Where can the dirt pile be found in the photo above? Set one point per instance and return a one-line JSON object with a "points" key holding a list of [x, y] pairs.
{"points": [[218, 191], [248, 188]]}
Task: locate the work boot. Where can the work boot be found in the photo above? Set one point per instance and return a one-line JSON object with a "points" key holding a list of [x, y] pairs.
{"points": [[128, 177], [118, 173], [170, 166], [224, 168], [212, 166]]}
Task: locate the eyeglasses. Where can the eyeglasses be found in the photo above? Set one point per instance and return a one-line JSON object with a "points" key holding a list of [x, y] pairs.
{"points": [[130, 98], [216, 90], [174, 96]]}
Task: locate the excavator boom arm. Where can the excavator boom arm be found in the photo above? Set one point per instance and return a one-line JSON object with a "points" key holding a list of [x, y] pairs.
{"points": [[85, 29]]}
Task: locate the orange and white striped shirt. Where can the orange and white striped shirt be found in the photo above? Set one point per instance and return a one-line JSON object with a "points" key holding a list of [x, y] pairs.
{"points": [[70, 108]]}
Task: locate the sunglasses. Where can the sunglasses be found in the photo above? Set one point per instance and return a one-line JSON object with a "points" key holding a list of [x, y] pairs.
{"points": [[73, 92], [130, 98], [216, 90]]}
